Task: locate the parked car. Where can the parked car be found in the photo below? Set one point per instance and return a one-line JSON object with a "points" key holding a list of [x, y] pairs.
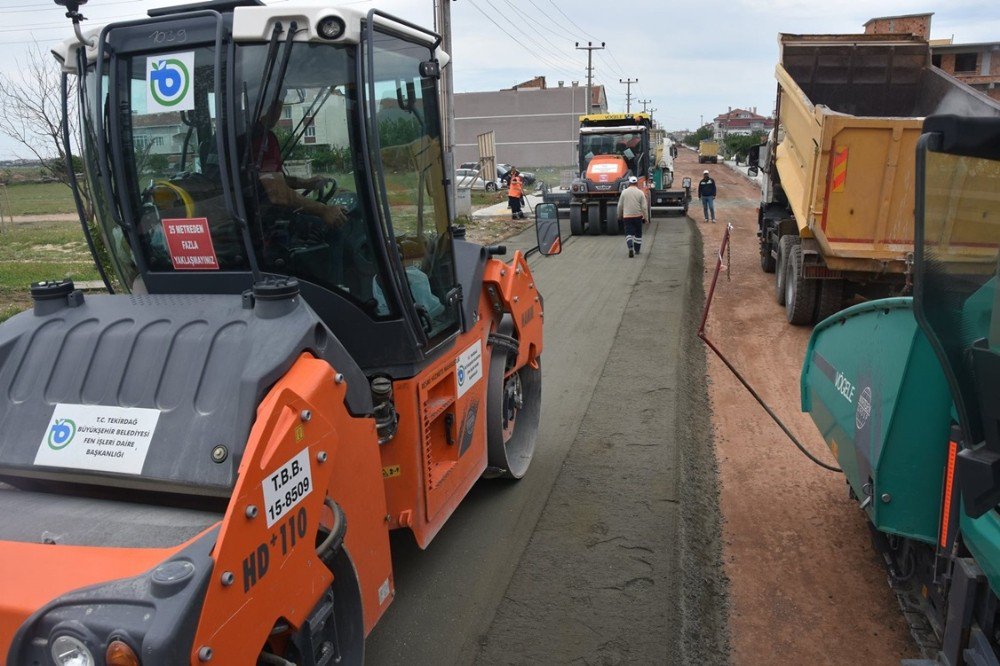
{"points": [[503, 173], [470, 179]]}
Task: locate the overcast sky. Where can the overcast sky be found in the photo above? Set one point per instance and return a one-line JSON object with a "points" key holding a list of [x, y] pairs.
{"points": [[692, 59]]}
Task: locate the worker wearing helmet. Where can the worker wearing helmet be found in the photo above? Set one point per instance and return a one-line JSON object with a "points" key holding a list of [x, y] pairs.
{"points": [[633, 211], [515, 193]]}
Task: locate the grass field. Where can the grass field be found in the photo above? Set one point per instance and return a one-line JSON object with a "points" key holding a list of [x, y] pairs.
{"points": [[40, 251], [39, 199]]}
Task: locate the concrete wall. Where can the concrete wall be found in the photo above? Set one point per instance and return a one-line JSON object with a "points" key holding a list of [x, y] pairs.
{"points": [[533, 127]]}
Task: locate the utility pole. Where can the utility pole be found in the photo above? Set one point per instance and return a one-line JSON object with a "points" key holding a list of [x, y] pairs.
{"points": [[442, 24], [644, 102], [628, 94], [589, 48]]}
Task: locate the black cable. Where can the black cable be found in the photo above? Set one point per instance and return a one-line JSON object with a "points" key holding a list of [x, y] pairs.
{"points": [[522, 44], [756, 396]]}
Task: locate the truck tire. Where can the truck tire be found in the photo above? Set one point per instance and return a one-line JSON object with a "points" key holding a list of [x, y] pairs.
{"points": [[767, 262], [594, 219], [800, 293], [575, 219], [614, 226], [784, 248], [830, 299]]}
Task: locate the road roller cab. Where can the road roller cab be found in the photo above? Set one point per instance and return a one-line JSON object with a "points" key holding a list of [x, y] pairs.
{"points": [[303, 354]]}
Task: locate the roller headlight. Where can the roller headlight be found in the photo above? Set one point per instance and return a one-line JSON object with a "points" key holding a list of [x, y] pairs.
{"points": [[331, 27], [69, 651]]}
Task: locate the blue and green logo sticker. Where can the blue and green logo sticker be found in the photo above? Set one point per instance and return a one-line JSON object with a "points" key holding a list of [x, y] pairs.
{"points": [[61, 434], [168, 82]]}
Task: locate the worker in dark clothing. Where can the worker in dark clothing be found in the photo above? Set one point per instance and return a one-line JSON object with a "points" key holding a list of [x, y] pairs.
{"points": [[706, 192], [515, 192]]}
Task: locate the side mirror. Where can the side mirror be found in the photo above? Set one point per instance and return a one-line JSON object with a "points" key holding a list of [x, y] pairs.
{"points": [[753, 171], [547, 229], [753, 156], [686, 183]]}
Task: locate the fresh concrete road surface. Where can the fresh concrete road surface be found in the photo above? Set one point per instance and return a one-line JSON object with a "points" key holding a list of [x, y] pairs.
{"points": [[607, 551]]}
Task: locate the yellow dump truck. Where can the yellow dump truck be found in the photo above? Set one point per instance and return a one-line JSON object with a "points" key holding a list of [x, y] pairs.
{"points": [[836, 215], [708, 151]]}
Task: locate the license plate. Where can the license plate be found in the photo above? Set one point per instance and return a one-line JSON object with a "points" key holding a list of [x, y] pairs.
{"points": [[287, 486]]}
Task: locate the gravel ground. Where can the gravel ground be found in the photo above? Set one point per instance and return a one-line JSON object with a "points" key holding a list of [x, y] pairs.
{"points": [[805, 585]]}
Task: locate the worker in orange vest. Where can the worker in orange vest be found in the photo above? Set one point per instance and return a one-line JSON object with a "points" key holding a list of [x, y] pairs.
{"points": [[515, 193]]}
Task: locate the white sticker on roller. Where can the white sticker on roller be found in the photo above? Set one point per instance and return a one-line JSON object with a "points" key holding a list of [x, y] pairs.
{"points": [[469, 367], [98, 438], [383, 592], [289, 484]]}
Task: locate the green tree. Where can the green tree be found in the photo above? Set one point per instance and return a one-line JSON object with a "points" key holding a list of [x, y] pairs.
{"points": [[699, 135], [738, 144]]}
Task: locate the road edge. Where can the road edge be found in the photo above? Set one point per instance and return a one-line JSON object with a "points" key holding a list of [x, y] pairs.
{"points": [[704, 601]]}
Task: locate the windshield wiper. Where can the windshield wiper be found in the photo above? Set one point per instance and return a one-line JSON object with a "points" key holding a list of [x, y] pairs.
{"points": [[265, 94]]}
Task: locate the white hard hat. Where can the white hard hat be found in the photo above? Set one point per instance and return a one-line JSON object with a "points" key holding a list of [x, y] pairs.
{"points": [[705, 172], [633, 179]]}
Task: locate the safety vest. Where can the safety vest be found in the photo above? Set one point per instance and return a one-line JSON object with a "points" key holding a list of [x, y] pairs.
{"points": [[515, 187]]}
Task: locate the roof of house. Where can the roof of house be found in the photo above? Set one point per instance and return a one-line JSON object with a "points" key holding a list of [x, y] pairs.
{"points": [[733, 116], [978, 46]]}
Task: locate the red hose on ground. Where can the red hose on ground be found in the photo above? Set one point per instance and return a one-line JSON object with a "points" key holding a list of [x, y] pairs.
{"points": [[704, 338]]}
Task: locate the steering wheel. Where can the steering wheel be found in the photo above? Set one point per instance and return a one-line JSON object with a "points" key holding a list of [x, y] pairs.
{"points": [[324, 191], [347, 200]]}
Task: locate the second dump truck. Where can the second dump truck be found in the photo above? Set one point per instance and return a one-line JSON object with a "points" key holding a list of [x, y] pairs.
{"points": [[708, 151], [836, 212]]}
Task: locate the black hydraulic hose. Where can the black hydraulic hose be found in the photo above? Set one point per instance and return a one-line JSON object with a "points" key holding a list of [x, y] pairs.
{"points": [[335, 539], [75, 186], [756, 396]]}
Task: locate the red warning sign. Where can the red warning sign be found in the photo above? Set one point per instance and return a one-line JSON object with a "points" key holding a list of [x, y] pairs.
{"points": [[190, 244]]}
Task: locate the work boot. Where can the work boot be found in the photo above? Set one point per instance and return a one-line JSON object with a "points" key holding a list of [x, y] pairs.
{"points": [[630, 253]]}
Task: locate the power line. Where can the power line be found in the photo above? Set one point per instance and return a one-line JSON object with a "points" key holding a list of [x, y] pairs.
{"points": [[522, 44], [541, 46], [534, 24], [565, 35], [572, 22]]}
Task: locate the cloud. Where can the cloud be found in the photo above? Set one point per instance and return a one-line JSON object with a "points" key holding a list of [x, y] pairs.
{"points": [[692, 61]]}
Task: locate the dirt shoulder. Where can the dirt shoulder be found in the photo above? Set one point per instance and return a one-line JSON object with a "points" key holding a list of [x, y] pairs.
{"points": [[805, 584]]}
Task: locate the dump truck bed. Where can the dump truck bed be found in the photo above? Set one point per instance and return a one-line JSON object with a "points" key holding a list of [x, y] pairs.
{"points": [[850, 109]]}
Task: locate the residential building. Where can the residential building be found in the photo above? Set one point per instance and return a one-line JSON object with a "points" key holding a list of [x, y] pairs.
{"points": [[976, 65], [534, 124], [740, 122]]}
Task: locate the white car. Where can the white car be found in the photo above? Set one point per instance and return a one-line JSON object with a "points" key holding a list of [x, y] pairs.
{"points": [[471, 180]]}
